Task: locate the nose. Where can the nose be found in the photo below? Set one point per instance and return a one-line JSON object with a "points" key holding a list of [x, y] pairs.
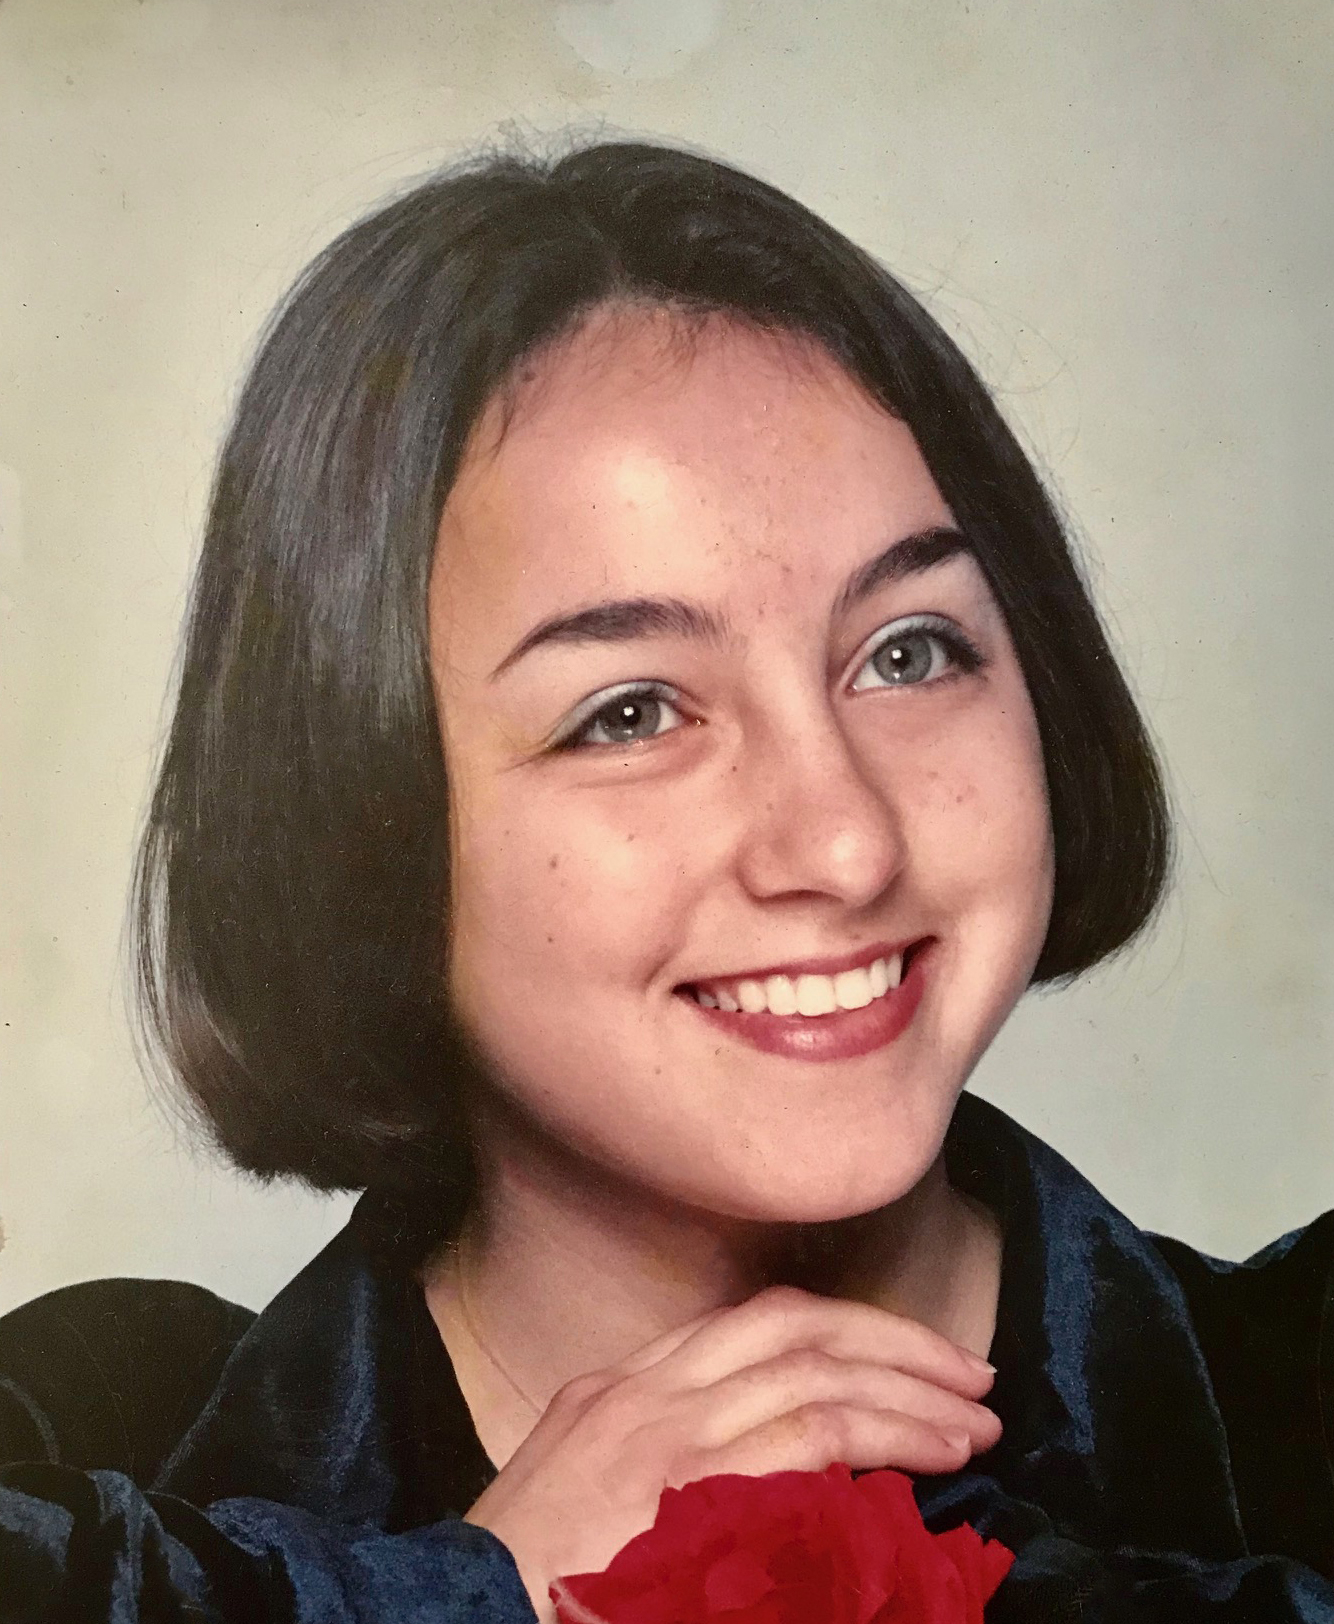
{"points": [[815, 821]]}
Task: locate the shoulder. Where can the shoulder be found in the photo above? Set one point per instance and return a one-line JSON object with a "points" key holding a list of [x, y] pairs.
{"points": [[1266, 1329], [1199, 1392], [1283, 1293], [109, 1373]]}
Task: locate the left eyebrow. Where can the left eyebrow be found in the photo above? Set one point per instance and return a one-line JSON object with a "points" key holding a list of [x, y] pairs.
{"points": [[920, 551], [625, 619]]}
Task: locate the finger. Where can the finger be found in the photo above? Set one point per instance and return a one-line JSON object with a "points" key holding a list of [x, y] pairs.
{"points": [[780, 1319], [654, 1352], [814, 1436], [749, 1397]]}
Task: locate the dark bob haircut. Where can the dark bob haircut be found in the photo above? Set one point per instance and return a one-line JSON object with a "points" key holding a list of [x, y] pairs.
{"points": [[293, 885]]}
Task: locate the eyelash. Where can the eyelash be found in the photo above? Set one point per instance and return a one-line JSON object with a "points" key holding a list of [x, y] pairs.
{"points": [[575, 736], [963, 655]]}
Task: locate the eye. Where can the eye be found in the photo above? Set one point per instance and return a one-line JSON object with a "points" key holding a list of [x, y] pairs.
{"points": [[917, 650], [629, 716]]}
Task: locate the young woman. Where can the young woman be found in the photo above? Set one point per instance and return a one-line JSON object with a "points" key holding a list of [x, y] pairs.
{"points": [[641, 730]]}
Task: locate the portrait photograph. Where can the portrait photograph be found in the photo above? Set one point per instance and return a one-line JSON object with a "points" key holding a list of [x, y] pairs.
{"points": [[666, 695]]}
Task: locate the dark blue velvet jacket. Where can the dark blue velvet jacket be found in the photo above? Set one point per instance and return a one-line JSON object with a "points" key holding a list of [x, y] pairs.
{"points": [[1168, 1450]]}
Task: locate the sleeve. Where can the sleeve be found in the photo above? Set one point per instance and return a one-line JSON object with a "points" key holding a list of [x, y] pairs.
{"points": [[90, 1548], [1056, 1580], [1266, 1328], [83, 1377], [86, 1408]]}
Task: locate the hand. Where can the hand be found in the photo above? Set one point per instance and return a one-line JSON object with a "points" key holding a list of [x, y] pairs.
{"points": [[787, 1381]]}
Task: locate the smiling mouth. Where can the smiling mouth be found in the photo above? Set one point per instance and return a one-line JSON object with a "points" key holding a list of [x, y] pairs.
{"points": [[807, 997]]}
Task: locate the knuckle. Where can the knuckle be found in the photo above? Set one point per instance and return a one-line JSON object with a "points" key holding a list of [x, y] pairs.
{"points": [[784, 1299], [806, 1367], [823, 1428], [686, 1466], [643, 1424], [577, 1393]]}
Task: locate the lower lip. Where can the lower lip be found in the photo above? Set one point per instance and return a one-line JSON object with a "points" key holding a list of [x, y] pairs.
{"points": [[842, 1035]]}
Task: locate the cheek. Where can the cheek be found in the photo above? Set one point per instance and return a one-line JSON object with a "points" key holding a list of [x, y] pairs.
{"points": [[976, 815], [556, 887]]}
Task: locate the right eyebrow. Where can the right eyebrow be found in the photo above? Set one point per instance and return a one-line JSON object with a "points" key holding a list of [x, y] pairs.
{"points": [[621, 621]]}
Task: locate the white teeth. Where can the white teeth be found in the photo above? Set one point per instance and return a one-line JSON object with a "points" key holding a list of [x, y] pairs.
{"points": [[815, 996], [782, 995], [809, 995], [751, 997], [853, 990]]}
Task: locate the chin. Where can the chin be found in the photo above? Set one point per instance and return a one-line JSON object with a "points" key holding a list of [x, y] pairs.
{"points": [[815, 1190]]}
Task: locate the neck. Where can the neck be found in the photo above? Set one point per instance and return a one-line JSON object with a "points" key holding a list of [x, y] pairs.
{"points": [[541, 1237]]}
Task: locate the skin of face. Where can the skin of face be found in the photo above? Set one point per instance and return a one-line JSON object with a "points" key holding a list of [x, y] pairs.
{"points": [[786, 803]]}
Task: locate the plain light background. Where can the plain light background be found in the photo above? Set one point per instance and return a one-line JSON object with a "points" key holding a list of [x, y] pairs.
{"points": [[1123, 212]]}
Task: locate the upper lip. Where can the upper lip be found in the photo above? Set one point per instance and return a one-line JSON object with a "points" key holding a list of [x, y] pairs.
{"points": [[828, 965]]}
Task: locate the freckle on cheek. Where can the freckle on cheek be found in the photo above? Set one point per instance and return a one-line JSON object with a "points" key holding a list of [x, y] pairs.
{"points": [[553, 862]]}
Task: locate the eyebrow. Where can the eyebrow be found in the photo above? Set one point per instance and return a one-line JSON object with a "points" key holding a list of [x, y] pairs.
{"points": [[626, 619]]}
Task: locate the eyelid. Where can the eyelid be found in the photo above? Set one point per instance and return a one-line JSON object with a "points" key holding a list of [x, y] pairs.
{"points": [[584, 712], [963, 652]]}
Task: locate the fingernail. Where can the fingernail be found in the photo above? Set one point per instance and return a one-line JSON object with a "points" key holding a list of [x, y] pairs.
{"points": [[978, 1363], [958, 1440]]}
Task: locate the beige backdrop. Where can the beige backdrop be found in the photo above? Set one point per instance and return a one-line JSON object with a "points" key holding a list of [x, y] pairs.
{"points": [[1122, 210]]}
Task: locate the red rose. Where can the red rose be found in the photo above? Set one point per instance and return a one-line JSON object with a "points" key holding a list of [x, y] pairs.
{"points": [[790, 1548]]}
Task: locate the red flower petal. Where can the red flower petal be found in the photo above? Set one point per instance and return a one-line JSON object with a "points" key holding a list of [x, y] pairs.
{"points": [[790, 1548]]}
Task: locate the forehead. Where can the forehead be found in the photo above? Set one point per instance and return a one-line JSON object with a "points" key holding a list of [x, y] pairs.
{"points": [[646, 454]]}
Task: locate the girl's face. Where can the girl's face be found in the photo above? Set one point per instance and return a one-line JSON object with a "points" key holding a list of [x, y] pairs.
{"points": [[728, 709]]}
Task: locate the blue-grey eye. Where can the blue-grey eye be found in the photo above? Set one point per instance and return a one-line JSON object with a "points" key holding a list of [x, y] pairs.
{"points": [[915, 653], [910, 658], [629, 717]]}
